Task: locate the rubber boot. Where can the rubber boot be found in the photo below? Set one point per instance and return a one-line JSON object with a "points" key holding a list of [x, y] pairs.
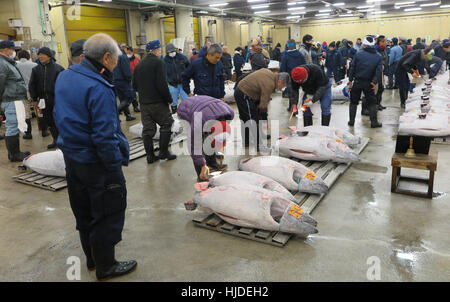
{"points": [[136, 106], [128, 115], [164, 140], [54, 133], [107, 266], [174, 109], [43, 126], [373, 116], [352, 114], [365, 108], [150, 150], [403, 97], [211, 161], [13, 146], [85, 244], [307, 120], [27, 134], [326, 120], [379, 106]]}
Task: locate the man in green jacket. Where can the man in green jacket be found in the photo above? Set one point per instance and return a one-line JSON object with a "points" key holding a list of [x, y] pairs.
{"points": [[12, 88]]}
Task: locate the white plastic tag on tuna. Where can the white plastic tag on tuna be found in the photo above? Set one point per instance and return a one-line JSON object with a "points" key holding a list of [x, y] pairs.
{"points": [[41, 104], [20, 114], [255, 207], [49, 163]]}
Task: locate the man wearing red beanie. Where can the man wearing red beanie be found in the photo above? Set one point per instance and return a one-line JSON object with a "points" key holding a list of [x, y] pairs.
{"points": [[314, 82]]}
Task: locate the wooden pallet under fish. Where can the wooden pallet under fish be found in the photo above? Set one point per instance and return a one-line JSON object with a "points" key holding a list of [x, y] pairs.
{"points": [[54, 183], [328, 171]]}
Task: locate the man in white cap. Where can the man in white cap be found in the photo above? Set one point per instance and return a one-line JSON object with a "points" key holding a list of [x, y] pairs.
{"points": [[365, 72]]}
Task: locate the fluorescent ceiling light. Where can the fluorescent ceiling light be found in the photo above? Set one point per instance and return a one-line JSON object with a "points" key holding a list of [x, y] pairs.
{"points": [[365, 6], [253, 1], [202, 12], [325, 10], [379, 12], [260, 6], [403, 3], [295, 3], [320, 15], [445, 6], [412, 9], [403, 6], [346, 15], [293, 17], [296, 13], [431, 4], [366, 10], [104, 0], [262, 12], [218, 4], [371, 1], [339, 4], [296, 8]]}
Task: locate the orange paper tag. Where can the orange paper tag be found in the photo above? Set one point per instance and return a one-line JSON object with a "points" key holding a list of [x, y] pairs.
{"points": [[310, 175], [295, 211], [339, 141]]}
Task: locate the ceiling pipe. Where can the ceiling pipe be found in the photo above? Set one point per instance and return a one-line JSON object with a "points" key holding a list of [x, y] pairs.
{"points": [[207, 9]]}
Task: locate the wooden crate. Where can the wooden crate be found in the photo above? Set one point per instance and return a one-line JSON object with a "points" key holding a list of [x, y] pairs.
{"points": [[328, 171], [52, 183]]}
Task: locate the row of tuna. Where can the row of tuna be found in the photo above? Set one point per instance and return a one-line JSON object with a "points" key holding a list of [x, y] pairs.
{"points": [[427, 110]]}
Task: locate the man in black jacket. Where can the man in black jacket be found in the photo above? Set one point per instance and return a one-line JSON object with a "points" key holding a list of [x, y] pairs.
{"points": [[176, 64], [227, 63], [381, 49], [419, 44], [42, 89], [365, 72], [150, 81], [313, 81]]}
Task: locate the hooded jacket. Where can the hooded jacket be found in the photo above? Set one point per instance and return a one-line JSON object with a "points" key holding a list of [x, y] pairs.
{"points": [[210, 109], [333, 60], [366, 66], [305, 50], [175, 67], [238, 61], [87, 119], [291, 59], [258, 60], [12, 84]]}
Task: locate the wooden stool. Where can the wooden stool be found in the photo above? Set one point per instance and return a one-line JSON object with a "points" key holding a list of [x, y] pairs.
{"points": [[420, 161]]}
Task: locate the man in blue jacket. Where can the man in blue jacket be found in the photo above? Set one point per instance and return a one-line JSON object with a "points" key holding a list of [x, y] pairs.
{"points": [[207, 72], [333, 62], [291, 58], [94, 149], [122, 83], [176, 63], [395, 55], [365, 72]]}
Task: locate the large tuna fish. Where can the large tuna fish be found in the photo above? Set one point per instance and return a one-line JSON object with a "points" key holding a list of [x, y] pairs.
{"points": [[292, 175], [348, 138], [317, 148], [49, 163], [177, 128], [253, 179], [254, 207]]}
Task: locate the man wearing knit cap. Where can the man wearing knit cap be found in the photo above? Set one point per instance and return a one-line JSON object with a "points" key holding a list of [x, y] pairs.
{"points": [[150, 81], [42, 90], [365, 72], [316, 87], [76, 51]]}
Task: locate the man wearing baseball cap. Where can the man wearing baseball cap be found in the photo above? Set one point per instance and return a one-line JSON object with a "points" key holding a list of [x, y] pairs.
{"points": [[12, 88], [365, 72], [150, 81], [76, 51], [315, 83]]}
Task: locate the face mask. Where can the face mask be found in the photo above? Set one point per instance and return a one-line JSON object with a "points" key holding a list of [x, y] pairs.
{"points": [[172, 54], [13, 55], [129, 56]]}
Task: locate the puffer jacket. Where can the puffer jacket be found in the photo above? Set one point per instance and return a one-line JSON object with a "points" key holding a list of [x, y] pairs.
{"points": [[204, 84], [175, 67], [210, 109], [367, 65], [12, 84], [291, 59], [43, 79]]}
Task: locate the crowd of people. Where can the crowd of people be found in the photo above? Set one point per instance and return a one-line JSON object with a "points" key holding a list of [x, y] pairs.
{"points": [[80, 109]]}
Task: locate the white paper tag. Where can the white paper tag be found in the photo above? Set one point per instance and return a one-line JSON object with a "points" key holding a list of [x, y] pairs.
{"points": [[41, 104]]}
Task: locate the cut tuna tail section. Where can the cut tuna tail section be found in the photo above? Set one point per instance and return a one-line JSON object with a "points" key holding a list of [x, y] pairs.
{"points": [[201, 186]]}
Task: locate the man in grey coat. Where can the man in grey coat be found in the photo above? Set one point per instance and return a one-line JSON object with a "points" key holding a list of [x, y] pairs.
{"points": [[305, 48]]}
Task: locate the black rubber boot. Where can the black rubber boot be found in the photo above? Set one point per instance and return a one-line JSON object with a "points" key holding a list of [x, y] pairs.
{"points": [[13, 146], [136, 106], [174, 109], [307, 121], [365, 108], [373, 116], [27, 134], [54, 133], [43, 126], [108, 267], [213, 165], [352, 114], [85, 244], [128, 115], [326, 120], [164, 140], [150, 150]]}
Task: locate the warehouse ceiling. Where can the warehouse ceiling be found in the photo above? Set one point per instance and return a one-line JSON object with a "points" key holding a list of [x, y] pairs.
{"points": [[293, 10]]}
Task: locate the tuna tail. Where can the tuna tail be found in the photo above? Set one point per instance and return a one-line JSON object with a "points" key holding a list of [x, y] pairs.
{"points": [[201, 186]]}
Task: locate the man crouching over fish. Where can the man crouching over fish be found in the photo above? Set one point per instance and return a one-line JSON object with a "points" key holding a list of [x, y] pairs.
{"points": [[208, 117]]}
